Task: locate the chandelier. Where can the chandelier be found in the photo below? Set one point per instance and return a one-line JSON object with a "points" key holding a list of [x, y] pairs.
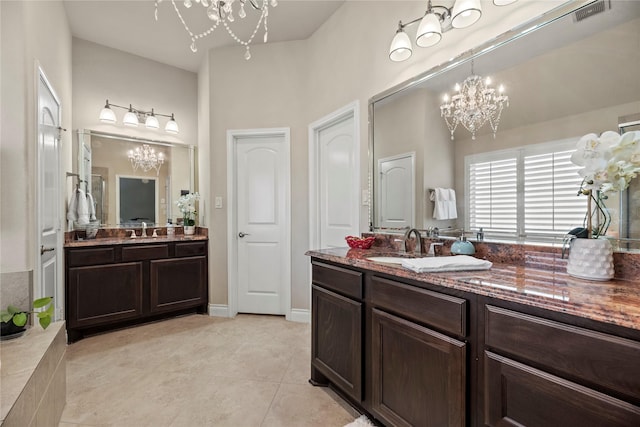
{"points": [[145, 158], [222, 12], [134, 116], [474, 104], [435, 21]]}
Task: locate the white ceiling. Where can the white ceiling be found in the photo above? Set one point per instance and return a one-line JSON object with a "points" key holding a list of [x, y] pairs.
{"points": [[130, 26]]}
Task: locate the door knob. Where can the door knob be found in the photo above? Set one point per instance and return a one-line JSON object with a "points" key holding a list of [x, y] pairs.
{"points": [[43, 249], [241, 234]]}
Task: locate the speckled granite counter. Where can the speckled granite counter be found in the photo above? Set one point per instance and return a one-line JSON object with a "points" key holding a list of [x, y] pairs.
{"points": [[616, 302], [120, 236], [130, 241]]}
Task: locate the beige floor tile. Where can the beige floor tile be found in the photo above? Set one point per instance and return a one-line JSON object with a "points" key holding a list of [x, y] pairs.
{"points": [[199, 371], [306, 406]]}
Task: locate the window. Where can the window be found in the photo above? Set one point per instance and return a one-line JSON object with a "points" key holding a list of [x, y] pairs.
{"points": [[528, 192]]}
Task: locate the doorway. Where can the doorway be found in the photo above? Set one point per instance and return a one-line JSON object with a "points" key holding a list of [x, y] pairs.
{"points": [[259, 229], [396, 191], [136, 200], [49, 243], [334, 178]]}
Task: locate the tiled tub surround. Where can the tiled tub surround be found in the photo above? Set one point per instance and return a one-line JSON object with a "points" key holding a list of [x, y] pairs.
{"points": [[33, 377], [530, 275]]}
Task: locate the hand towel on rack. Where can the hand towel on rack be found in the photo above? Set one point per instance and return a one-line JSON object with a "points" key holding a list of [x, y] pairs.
{"points": [[447, 263], [78, 208], [444, 203], [92, 207]]}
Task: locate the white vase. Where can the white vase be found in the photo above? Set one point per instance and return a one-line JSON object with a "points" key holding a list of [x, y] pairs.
{"points": [[591, 259], [189, 230]]}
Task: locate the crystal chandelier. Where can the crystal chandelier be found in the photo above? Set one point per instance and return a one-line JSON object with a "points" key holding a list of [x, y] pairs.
{"points": [[145, 158], [474, 104], [222, 12]]}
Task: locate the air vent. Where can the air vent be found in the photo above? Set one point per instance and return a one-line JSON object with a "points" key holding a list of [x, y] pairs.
{"points": [[592, 9]]}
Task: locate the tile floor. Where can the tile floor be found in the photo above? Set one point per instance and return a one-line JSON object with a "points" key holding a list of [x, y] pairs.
{"points": [[197, 371]]}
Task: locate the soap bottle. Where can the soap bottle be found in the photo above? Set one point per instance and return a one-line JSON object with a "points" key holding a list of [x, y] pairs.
{"points": [[170, 230], [462, 246]]}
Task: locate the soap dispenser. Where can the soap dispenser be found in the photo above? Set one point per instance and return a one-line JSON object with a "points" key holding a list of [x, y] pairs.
{"points": [[462, 246]]}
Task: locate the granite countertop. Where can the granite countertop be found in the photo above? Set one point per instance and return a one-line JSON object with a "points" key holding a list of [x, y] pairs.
{"points": [[616, 301], [100, 241]]}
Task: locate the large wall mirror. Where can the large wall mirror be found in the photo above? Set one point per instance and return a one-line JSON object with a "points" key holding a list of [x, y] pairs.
{"points": [[565, 77], [124, 195]]}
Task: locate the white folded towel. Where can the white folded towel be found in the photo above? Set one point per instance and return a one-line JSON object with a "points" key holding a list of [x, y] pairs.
{"points": [[72, 211], [92, 207], [446, 263], [444, 203]]}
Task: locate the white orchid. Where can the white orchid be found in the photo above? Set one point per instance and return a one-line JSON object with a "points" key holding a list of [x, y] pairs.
{"points": [[186, 204], [609, 162]]}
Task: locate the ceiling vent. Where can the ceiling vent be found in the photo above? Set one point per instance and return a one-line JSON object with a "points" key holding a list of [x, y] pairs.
{"points": [[592, 9]]}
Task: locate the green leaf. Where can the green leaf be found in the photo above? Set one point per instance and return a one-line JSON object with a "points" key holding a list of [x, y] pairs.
{"points": [[13, 309], [41, 302], [20, 319], [5, 316], [45, 321]]}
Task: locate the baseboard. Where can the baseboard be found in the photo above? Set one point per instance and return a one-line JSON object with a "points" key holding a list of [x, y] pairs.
{"points": [[219, 310], [299, 315]]}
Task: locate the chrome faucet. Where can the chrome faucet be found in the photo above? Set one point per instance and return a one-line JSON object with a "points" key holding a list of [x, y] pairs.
{"points": [[407, 235], [144, 229]]}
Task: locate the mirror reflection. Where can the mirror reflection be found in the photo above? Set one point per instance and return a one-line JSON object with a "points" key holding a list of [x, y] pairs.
{"points": [[565, 79], [131, 180]]}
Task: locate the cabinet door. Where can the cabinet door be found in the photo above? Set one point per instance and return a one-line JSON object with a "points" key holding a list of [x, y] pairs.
{"points": [[519, 395], [336, 343], [104, 294], [419, 375], [178, 283]]}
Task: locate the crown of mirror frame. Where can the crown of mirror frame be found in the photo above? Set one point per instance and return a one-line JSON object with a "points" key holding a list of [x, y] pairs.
{"points": [[134, 116], [221, 12], [437, 20]]}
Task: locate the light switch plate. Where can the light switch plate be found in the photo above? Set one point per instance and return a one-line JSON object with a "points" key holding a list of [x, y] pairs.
{"points": [[218, 202]]}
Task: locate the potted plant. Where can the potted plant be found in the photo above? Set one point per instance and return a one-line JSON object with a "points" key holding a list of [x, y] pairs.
{"points": [[186, 204], [14, 320]]}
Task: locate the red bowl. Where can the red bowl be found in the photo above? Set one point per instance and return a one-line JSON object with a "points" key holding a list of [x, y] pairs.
{"points": [[360, 242]]}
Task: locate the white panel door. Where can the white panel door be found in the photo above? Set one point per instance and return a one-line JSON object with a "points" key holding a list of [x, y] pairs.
{"points": [[396, 191], [262, 183], [338, 180], [49, 194]]}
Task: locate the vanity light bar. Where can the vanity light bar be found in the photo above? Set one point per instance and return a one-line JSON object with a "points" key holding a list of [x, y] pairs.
{"points": [[134, 116], [437, 20]]}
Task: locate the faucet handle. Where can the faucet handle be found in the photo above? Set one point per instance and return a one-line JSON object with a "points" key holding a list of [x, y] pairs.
{"points": [[432, 248], [133, 234]]}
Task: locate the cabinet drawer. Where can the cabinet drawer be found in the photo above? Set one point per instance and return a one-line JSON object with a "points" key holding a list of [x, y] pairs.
{"points": [[91, 256], [441, 311], [341, 280], [586, 356], [519, 395], [140, 253], [191, 249]]}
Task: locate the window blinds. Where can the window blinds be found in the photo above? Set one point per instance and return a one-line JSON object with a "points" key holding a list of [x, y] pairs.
{"points": [[526, 192]]}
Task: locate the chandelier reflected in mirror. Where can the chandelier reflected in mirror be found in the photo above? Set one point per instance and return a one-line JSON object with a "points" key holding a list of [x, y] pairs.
{"points": [[221, 12], [145, 158], [474, 104]]}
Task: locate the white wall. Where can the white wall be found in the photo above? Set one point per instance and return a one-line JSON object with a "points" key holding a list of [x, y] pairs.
{"points": [[30, 32], [293, 84]]}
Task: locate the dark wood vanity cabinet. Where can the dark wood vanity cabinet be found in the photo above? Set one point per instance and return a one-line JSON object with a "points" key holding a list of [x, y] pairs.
{"points": [[543, 372], [417, 354], [418, 375], [115, 285], [336, 325]]}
